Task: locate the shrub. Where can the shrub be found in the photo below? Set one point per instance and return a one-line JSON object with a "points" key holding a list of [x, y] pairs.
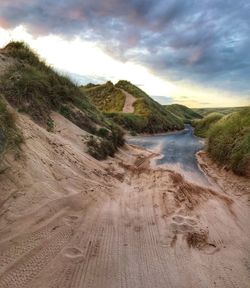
{"points": [[100, 148], [103, 132], [50, 125]]}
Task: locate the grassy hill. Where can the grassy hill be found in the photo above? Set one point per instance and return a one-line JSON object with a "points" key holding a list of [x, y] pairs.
{"points": [[202, 126], [148, 116], [105, 97], [34, 88], [184, 113], [229, 141]]}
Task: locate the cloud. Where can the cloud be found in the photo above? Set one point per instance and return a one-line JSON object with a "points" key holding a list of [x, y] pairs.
{"points": [[205, 42]]}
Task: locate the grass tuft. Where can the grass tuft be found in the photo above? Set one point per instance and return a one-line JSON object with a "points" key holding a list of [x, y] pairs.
{"points": [[10, 136]]}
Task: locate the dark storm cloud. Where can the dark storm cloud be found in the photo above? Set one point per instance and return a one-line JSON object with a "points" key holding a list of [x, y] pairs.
{"points": [[203, 41]]}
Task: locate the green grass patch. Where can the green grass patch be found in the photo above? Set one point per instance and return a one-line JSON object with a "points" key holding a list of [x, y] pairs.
{"points": [[131, 122], [105, 97], [202, 126], [223, 110], [10, 136], [229, 141]]}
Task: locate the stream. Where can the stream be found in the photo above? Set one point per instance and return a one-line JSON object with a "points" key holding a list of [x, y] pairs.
{"points": [[177, 151]]}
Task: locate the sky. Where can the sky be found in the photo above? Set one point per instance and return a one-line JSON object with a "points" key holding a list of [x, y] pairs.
{"points": [[192, 52]]}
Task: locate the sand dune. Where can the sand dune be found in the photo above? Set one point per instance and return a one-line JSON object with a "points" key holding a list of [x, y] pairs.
{"points": [[68, 220]]}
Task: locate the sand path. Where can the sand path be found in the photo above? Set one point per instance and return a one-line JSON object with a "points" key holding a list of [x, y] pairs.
{"points": [[129, 101]]}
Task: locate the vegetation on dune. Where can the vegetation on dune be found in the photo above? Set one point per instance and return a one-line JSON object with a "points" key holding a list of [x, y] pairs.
{"points": [[148, 116], [184, 113], [36, 89], [229, 141], [151, 113], [106, 143], [132, 89], [202, 126], [131, 122], [105, 97], [10, 137]]}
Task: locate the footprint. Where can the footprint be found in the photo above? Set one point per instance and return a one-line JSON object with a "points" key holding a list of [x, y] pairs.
{"points": [[186, 228], [174, 227], [178, 219], [191, 221], [73, 253], [70, 219], [210, 249], [182, 227]]}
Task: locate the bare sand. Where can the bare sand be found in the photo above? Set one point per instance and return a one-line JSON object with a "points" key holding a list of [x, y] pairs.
{"points": [[67, 220], [129, 101]]}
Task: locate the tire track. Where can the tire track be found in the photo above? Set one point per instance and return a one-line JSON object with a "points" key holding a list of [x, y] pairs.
{"points": [[24, 270]]}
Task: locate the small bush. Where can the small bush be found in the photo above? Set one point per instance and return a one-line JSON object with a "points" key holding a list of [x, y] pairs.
{"points": [[50, 125], [103, 132], [100, 148], [65, 111]]}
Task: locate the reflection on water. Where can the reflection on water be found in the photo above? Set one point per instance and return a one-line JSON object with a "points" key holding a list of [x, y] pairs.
{"points": [[178, 151]]}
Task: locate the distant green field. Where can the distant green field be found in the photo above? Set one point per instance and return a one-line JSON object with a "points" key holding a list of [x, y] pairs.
{"points": [[223, 110], [184, 113]]}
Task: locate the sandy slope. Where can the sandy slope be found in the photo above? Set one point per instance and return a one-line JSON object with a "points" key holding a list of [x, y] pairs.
{"points": [[129, 101], [68, 220]]}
